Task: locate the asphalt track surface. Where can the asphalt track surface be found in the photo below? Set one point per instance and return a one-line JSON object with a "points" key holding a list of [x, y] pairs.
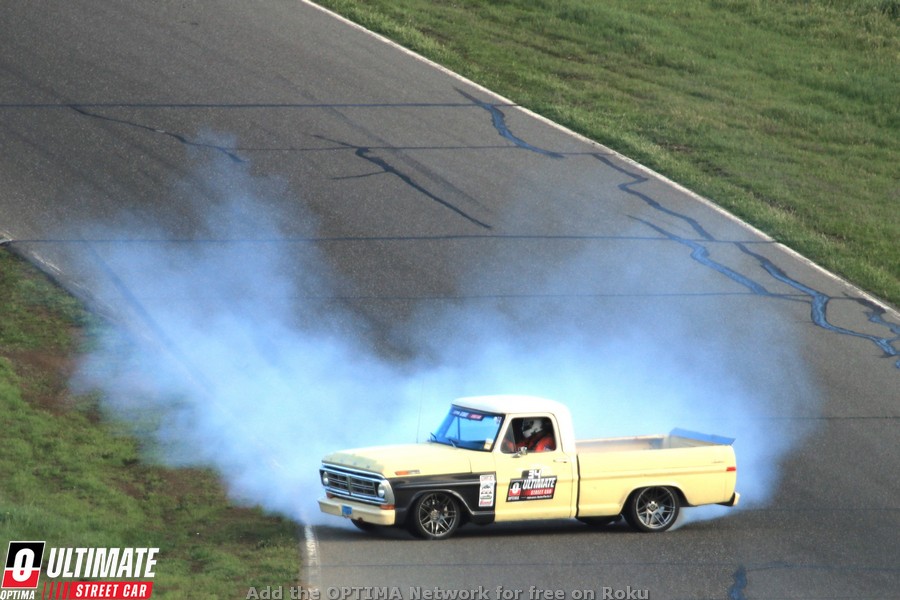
{"points": [[418, 178]]}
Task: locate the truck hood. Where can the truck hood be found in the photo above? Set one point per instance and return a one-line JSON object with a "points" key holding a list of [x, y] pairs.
{"points": [[408, 459]]}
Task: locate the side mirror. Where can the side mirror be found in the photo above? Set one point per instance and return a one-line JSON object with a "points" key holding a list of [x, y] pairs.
{"points": [[521, 452]]}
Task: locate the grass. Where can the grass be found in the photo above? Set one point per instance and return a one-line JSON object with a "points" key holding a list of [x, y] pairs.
{"points": [[784, 112], [75, 479]]}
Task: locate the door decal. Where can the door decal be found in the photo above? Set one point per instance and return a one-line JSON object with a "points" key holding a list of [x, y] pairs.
{"points": [[531, 486], [486, 491]]}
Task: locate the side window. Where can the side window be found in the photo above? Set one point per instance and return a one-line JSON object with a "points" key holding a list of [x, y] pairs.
{"points": [[513, 434], [534, 433]]}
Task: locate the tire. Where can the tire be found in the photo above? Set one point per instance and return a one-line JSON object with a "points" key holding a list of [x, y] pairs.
{"points": [[435, 516], [653, 509]]}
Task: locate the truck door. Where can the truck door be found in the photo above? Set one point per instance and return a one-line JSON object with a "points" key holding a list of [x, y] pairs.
{"points": [[535, 478]]}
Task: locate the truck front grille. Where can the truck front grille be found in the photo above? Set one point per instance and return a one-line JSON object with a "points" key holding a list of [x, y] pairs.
{"points": [[355, 485]]}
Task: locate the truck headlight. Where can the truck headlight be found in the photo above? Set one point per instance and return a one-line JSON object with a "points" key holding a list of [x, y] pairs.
{"points": [[382, 490], [324, 478]]}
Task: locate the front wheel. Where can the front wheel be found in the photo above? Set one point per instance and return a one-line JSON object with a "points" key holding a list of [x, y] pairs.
{"points": [[435, 516], [652, 509]]}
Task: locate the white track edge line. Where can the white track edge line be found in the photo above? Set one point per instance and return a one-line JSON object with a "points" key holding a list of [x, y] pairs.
{"points": [[310, 568]]}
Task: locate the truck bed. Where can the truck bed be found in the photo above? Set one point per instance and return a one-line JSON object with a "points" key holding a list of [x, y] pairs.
{"points": [[677, 438], [700, 466]]}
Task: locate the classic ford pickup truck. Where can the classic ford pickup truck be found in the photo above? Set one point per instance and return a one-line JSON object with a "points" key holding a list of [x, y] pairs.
{"points": [[509, 458]]}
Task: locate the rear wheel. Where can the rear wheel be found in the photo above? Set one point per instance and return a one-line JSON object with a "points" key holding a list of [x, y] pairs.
{"points": [[652, 509], [435, 516]]}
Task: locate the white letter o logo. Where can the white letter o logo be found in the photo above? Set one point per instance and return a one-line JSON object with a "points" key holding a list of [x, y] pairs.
{"points": [[21, 570]]}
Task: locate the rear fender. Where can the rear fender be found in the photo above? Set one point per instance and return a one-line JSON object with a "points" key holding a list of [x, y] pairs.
{"points": [[682, 500]]}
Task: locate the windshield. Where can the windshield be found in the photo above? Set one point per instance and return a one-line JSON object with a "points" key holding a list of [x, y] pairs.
{"points": [[466, 428]]}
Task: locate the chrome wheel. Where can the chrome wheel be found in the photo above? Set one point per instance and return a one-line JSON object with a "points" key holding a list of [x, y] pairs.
{"points": [[435, 516], [653, 509]]}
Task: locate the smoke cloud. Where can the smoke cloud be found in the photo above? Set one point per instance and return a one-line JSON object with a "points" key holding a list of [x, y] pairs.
{"points": [[233, 349]]}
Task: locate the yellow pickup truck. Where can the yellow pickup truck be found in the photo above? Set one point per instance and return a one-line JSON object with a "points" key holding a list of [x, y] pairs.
{"points": [[514, 458]]}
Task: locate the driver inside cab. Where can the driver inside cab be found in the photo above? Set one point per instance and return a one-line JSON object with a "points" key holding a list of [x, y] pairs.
{"points": [[535, 434]]}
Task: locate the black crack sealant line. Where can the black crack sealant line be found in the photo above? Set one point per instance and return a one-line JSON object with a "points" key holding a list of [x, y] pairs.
{"points": [[736, 591], [819, 308], [385, 167], [700, 253], [177, 136], [654, 204], [818, 300], [499, 121]]}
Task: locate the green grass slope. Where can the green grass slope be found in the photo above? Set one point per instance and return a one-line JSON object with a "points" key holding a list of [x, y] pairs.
{"points": [[74, 479]]}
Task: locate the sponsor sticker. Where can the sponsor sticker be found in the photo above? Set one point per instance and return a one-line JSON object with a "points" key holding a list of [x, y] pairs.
{"points": [[464, 414], [533, 485], [487, 490]]}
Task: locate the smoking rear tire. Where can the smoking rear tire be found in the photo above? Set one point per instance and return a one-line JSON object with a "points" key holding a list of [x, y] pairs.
{"points": [[653, 509], [435, 516]]}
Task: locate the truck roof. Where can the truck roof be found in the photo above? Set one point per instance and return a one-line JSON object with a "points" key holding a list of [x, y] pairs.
{"points": [[512, 403]]}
